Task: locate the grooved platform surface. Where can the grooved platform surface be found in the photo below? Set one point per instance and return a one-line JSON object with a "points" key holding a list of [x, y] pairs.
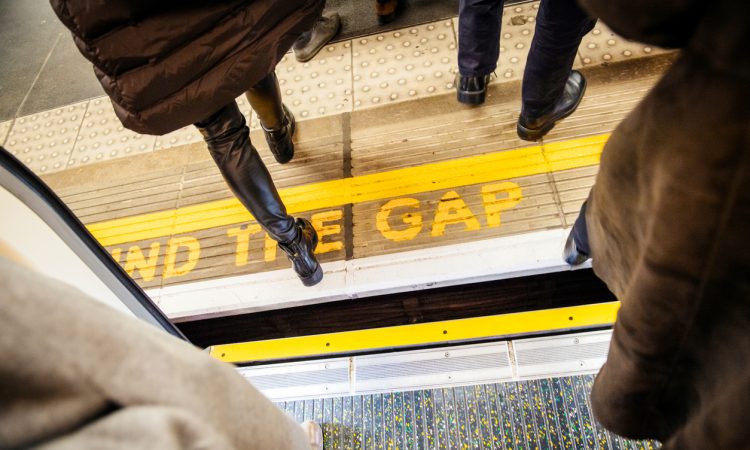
{"points": [[421, 176], [388, 167]]}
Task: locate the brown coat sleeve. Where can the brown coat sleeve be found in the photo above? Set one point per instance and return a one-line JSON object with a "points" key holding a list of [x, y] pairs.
{"points": [[668, 23], [75, 373]]}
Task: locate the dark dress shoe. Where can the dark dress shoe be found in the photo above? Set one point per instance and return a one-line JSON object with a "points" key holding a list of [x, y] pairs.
{"points": [[534, 128], [301, 252], [280, 140], [572, 254], [387, 10], [471, 90], [310, 42]]}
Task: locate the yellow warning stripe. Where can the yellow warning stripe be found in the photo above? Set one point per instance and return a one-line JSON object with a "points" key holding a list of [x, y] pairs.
{"points": [[503, 165], [449, 331]]}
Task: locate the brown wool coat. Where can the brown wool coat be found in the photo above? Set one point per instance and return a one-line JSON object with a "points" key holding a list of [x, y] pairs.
{"points": [[669, 226], [168, 64], [76, 375]]}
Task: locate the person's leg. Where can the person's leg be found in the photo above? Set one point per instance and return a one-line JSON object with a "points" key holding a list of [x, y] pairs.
{"points": [[228, 140], [275, 119], [479, 23], [560, 26], [181, 398], [552, 91], [265, 99], [577, 248]]}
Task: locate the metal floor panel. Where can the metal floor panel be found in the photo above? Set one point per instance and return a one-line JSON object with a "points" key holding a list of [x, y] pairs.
{"points": [[547, 413], [388, 369], [527, 394]]}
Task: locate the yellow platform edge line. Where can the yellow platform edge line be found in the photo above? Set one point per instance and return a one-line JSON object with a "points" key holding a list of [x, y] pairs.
{"points": [[444, 332], [497, 166]]}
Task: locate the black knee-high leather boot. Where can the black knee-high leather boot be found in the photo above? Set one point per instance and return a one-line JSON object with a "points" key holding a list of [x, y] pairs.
{"points": [[275, 118], [228, 140]]}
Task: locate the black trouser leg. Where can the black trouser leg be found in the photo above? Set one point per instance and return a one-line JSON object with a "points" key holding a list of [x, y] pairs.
{"points": [[479, 24], [580, 232], [265, 99], [560, 26], [228, 140]]}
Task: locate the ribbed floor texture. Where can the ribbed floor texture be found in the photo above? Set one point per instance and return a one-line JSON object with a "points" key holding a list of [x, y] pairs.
{"points": [[552, 413]]}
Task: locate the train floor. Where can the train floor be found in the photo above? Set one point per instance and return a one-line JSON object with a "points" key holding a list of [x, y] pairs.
{"points": [[528, 393], [548, 413]]}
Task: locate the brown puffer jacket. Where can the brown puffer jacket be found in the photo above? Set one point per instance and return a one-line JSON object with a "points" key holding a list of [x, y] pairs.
{"points": [[669, 229], [167, 64]]}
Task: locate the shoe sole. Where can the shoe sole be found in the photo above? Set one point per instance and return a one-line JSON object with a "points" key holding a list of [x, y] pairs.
{"points": [[471, 98], [313, 279], [529, 134]]}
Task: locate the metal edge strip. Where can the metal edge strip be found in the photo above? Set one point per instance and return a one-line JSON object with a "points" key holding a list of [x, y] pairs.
{"points": [[418, 335]]}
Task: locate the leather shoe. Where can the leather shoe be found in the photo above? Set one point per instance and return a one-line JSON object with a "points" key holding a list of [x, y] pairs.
{"points": [[280, 140], [310, 42], [471, 90], [571, 253], [301, 252], [534, 128]]}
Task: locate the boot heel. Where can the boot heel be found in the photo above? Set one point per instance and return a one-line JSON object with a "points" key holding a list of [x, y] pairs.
{"points": [[301, 252], [471, 98], [315, 278]]}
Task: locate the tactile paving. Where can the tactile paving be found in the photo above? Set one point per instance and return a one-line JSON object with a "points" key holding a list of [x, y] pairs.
{"points": [[190, 134], [4, 129], [394, 66], [319, 87], [183, 136], [103, 137], [603, 46], [44, 141], [404, 64], [515, 39]]}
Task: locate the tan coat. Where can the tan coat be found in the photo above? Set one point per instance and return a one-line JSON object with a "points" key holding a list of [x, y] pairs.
{"points": [[76, 374], [167, 64], [669, 229]]}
